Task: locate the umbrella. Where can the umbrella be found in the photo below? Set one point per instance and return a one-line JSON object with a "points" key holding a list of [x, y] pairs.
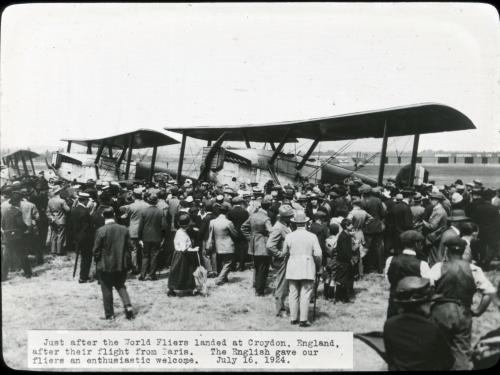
{"points": [[200, 278]]}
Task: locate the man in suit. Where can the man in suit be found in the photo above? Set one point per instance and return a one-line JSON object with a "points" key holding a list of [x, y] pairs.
{"points": [[487, 218], [256, 229], [14, 232], [173, 207], [435, 227], [111, 251], [209, 256], [452, 233], [402, 219], [374, 231], [304, 261], [221, 235], [152, 229], [134, 214], [274, 246], [238, 215], [57, 210], [81, 225]]}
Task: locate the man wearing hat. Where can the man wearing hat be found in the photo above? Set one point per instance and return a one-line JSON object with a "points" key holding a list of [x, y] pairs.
{"points": [[402, 219], [134, 214], [173, 208], [221, 236], [455, 222], [82, 234], [256, 229], [405, 264], [238, 215], [417, 210], [304, 260], [274, 246], [14, 232], [457, 281], [57, 210], [152, 228], [436, 225], [413, 341], [112, 255], [487, 218]]}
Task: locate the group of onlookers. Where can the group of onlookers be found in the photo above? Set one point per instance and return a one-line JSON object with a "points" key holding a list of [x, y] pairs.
{"points": [[305, 233]]}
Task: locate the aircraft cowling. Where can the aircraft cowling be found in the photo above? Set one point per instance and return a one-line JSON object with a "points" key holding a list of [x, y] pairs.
{"points": [[335, 175]]}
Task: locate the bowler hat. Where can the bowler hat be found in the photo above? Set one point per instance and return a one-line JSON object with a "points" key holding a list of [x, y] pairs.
{"points": [[458, 215], [285, 211], [399, 197], [153, 199], [300, 217], [321, 215], [413, 290]]}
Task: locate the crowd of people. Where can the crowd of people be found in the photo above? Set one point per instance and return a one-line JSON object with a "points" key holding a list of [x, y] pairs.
{"points": [[440, 237]]}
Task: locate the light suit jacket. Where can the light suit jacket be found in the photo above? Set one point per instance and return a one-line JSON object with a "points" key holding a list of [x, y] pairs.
{"points": [[221, 233], [256, 229], [304, 255]]}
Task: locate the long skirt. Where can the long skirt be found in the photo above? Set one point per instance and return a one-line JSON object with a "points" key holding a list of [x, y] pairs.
{"points": [[181, 279]]}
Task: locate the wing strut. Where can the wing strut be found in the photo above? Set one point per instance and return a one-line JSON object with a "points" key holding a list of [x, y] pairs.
{"points": [[181, 158], [307, 154], [382, 156], [280, 146], [414, 153]]}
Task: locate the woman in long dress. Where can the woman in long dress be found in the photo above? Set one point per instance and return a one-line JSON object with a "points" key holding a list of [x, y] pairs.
{"points": [[184, 261]]}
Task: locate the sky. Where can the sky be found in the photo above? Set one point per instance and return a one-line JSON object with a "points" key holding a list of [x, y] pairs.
{"points": [[90, 70]]}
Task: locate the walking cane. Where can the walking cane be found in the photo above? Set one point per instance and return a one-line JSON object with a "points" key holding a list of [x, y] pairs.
{"points": [[76, 259], [316, 282]]}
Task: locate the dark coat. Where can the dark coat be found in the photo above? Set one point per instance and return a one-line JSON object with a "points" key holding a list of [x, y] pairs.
{"points": [[152, 225], [487, 218], [81, 225], [238, 215], [377, 210], [402, 217], [112, 247]]}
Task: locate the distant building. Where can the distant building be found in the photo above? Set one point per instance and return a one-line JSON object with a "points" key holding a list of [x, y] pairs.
{"points": [[428, 157]]}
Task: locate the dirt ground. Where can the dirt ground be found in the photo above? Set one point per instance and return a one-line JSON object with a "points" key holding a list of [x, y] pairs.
{"points": [[54, 300]]}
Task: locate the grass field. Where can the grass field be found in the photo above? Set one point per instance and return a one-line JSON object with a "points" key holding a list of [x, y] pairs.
{"points": [[54, 300]]}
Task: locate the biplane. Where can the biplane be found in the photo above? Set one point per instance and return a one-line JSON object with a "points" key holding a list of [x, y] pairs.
{"points": [[260, 165], [113, 159], [15, 164]]}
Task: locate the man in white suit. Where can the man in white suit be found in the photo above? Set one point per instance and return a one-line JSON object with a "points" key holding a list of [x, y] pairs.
{"points": [[304, 260]]}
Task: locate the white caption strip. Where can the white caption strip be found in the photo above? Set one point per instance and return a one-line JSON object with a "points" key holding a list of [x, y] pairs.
{"points": [[230, 350]]}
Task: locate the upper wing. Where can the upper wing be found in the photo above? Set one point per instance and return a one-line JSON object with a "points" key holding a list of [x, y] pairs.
{"points": [[140, 138], [408, 120]]}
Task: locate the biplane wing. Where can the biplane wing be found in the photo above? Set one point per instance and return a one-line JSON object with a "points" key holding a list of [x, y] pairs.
{"points": [[400, 121], [140, 138]]}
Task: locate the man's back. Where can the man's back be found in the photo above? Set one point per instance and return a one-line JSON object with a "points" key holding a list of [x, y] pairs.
{"points": [[152, 225], [112, 241], [238, 215], [413, 342], [223, 232], [57, 209], [135, 213]]}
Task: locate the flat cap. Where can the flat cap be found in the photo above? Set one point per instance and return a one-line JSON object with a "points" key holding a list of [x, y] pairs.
{"points": [[411, 236]]}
